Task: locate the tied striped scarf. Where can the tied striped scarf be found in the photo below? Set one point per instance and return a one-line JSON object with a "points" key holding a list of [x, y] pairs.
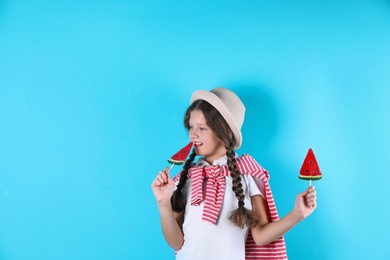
{"points": [[215, 190]]}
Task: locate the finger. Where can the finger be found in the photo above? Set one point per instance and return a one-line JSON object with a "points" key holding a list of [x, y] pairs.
{"points": [[303, 195], [310, 189], [311, 202], [312, 199], [167, 172], [161, 178], [158, 182], [311, 194]]}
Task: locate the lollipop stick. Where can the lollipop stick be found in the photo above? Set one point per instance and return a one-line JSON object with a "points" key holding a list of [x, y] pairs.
{"points": [[171, 166], [310, 183]]}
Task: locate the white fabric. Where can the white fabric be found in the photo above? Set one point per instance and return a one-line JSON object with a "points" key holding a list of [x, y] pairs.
{"points": [[223, 241]]}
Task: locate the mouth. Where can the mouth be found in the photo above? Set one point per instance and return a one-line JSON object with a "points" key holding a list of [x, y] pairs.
{"points": [[197, 144]]}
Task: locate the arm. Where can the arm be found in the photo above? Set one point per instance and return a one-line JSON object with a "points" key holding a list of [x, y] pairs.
{"points": [[266, 232], [171, 222]]}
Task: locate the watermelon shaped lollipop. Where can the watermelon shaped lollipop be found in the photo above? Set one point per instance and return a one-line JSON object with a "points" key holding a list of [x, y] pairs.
{"points": [[180, 157], [310, 170]]}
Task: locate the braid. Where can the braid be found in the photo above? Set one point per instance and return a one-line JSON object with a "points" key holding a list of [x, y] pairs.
{"points": [[177, 200], [236, 175], [240, 216]]}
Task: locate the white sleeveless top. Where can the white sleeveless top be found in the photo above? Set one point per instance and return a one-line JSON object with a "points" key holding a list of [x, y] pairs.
{"points": [[223, 241]]}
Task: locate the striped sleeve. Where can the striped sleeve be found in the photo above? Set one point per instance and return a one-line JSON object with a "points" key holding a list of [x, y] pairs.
{"points": [[276, 249]]}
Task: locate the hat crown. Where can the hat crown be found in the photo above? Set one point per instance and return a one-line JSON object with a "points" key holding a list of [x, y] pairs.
{"points": [[228, 105], [232, 103]]}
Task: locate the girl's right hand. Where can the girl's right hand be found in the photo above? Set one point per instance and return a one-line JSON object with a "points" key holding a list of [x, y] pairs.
{"points": [[163, 186]]}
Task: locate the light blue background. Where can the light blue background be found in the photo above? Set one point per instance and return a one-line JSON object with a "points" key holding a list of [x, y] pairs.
{"points": [[92, 95]]}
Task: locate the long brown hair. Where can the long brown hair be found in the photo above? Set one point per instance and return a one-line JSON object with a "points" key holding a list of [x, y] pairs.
{"points": [[241, 216]]}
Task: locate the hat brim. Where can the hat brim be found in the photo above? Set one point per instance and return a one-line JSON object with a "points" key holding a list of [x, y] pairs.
{"points": [[214, 100]]}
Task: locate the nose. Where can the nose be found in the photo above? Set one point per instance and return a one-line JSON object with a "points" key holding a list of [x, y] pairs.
{"points": [[193, 134]]}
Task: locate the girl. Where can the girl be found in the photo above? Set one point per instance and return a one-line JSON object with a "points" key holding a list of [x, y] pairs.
{"points": [[222, 207]]}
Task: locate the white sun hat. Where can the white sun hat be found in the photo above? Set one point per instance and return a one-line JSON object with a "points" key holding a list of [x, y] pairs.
{"points": [[228, 105]]}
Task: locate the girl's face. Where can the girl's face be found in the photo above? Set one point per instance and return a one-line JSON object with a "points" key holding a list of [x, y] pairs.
{"points": [[206, 143]]}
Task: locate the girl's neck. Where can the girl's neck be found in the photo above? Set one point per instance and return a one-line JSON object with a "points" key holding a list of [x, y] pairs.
{"points": [[210, 159]]}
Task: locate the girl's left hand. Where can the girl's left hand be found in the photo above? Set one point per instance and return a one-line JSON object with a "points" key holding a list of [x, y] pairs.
{"points": [[306, 202]]}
